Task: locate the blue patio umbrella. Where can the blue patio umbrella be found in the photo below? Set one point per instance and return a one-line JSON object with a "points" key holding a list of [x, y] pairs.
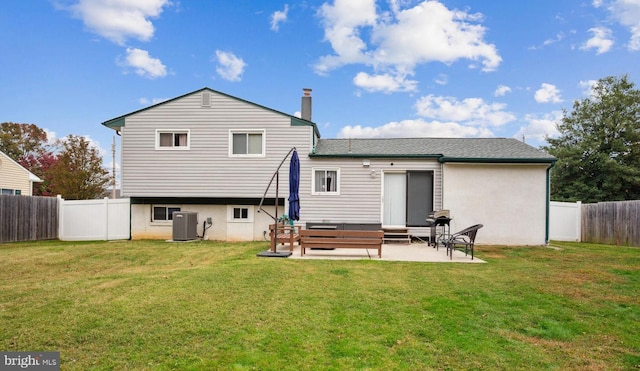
{"points": [[294, 187]]}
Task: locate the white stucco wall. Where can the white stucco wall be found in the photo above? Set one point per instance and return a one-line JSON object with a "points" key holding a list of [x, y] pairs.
{"points": [[509, 200], [223, 229]]}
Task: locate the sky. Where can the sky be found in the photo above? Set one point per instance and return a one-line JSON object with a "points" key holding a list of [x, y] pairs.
{"points": [[395, 68]]}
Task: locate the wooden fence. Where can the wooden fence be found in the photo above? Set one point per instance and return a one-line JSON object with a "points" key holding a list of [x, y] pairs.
{"points": [[613, 223], [28, 218]]}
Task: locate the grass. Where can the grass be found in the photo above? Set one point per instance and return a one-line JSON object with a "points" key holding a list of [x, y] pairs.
{"points": [[213, 305]]}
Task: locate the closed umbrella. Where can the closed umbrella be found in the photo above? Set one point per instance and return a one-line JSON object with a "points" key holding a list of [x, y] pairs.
{"points": [[294, 187]]}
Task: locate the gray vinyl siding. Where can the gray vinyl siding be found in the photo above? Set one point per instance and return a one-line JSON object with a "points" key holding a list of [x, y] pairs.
{"points": [[205, 170], [360, 198]]}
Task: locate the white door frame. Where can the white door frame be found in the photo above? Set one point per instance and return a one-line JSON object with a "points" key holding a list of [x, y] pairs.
{"points": [[400, 198]]}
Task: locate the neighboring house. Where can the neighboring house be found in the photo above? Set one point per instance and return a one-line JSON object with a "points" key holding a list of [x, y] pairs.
{"points": [[15, 179], [215, 154]]}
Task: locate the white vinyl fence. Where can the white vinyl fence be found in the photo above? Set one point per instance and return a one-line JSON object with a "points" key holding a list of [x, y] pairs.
{"points": [[565, 221], [87, 220]]}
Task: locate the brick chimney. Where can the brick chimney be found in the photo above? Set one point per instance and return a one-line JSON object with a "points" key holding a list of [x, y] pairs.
{"points": [[305, 114]]}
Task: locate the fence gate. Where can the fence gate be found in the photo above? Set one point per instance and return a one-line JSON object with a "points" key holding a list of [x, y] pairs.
{"points": [[565, 221]]}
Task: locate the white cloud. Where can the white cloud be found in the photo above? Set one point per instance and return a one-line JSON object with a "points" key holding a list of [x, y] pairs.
{"points": [[230, 67], [152, 101], [278, 17], [118, 20], [341, 29], [602, 40], [143, 64], [431, 32], [559, 37], [627, 13], [471, 111], [587, 87], [501, 90], [403, 38], [442, 79], [415, 129], [548, 93], [540, 127], [385, 83], [51, 136]]}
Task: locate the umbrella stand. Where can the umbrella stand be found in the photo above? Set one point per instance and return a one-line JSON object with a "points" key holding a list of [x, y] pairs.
{"points": [[272, 253]]}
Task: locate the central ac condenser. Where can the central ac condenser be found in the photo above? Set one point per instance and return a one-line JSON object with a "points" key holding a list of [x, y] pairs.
{"points": [[185, 224]]}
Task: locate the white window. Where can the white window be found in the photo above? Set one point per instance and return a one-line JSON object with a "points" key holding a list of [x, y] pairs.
{"points": [[326, 181], [6, 191], [172, 139], [163, 213], [240, 213], [246, 143]]}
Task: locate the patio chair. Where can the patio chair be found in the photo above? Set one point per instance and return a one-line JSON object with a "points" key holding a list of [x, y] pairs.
{"points": [[284, 234], [466, 237]]}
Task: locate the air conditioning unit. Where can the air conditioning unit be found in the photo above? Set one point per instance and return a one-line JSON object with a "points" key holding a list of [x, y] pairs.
{"points": [[185, 224]]}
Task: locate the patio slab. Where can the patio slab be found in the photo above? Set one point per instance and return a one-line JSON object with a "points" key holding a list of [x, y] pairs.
{"points": [[414, 252]]}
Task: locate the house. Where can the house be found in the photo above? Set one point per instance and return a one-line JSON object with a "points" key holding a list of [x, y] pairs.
{"points": [[500, 183], [215, 154], [15, 179]]}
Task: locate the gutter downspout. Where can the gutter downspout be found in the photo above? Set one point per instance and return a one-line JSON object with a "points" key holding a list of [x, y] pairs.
{"points": [[548, 204], [441, 186]]}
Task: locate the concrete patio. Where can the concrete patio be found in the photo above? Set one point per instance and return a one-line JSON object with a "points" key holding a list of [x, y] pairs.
{"points": [[414, 252]]}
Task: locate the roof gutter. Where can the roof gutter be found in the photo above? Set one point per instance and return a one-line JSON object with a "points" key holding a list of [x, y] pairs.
{"points": [[363, 155], [441, 158], [115, 124], [478, 160]]}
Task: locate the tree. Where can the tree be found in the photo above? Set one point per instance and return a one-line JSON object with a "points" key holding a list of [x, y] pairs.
{"points": [[40, 165], [28, 145], [19, 141], [598, 149], [78, 174]]}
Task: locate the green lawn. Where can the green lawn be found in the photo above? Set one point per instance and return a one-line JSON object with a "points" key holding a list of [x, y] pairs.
{"points": [[214, 305]]}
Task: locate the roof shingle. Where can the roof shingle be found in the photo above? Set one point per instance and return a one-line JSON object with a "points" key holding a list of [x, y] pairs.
{"points": [[444, 149]]}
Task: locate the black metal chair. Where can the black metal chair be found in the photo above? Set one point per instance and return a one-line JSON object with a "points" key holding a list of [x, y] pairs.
{"points": [[466, 237]]}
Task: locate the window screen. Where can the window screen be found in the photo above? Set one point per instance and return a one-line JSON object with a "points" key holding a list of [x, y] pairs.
{"points": [[247, 143], [326, 181]]}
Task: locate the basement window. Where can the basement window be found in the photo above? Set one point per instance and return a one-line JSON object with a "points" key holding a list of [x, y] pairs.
{"points": [[240, 213], [163, 213]]}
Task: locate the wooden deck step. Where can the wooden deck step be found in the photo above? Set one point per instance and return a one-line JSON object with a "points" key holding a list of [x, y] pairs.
{"points": [[396, 237]]}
